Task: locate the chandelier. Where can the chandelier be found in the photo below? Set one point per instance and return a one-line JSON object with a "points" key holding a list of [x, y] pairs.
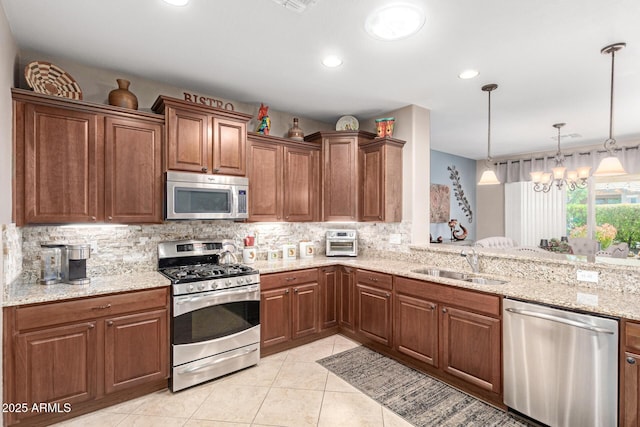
{"points": [[543, 181]]}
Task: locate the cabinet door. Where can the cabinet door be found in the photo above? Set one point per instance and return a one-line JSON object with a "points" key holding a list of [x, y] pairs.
{"points": [[136, 350], [371, 184], [133, 171], [63, 154], [56, 365], [471, 347], [346, 278], [630, 416], [416, 328], [275, 317], [340, 178], [329, 289], [229, 145], [305, 316], [301, 175], [188, 141], [373, 313], [265, 176]]}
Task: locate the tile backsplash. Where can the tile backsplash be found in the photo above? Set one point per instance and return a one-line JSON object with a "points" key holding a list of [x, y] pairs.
{"points": [[123, 249]]}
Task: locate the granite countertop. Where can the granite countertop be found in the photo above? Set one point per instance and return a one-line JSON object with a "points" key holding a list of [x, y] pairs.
{"points": [[606, 302], [611, 303], [20, 293]]}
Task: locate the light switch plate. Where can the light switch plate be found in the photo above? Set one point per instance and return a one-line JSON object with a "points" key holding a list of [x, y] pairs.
{"points": [[587, 276], [395, 239], [587, 299]]}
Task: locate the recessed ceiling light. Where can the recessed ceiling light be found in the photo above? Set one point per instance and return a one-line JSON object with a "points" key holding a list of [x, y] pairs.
{"points": [[177, 2], [468, 74], [395, 21], [332, 61]]}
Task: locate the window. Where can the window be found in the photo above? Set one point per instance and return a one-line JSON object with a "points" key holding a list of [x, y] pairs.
{"points": [[616, 214]]}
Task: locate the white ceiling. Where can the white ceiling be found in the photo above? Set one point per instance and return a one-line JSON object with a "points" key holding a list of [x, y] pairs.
{"points": [[543, 54]]}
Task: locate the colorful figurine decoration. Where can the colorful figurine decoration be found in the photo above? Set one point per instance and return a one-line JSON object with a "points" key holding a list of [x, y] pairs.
{"points": [[265, 121]]}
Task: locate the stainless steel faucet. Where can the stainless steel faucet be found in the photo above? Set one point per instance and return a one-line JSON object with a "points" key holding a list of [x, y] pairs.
{"points": [[472, 259]]}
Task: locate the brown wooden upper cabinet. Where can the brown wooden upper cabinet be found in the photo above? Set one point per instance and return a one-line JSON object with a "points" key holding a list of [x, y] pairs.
{"points": [[78, 162], [203, 139], [284, 179], [362, 176]]}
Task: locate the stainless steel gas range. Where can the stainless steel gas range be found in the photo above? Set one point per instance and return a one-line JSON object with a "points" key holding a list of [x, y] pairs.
{"points": [[215, 324]]}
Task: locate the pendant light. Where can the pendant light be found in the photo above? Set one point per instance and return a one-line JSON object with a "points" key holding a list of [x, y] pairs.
{"points": [[489, 176], [543, 181], [610, 165]]}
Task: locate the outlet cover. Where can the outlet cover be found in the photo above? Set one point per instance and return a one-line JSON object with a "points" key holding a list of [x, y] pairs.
{"points": [[587, 276], [395, 239]]}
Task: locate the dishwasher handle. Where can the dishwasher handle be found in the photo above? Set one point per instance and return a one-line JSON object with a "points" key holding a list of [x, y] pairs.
{"points": [[553, 318]]}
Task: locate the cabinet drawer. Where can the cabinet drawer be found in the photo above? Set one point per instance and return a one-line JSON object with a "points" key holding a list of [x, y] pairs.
{"points": [[379, 280], [289, 278], [472, 300], [632, 336], [36, 316]]}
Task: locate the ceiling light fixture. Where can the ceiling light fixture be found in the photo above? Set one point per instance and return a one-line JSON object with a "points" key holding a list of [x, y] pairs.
{"points": [[332, 61], [543, 181], [468, 74], [489, 176], [177, 2], [610, 165], [395, 21]]}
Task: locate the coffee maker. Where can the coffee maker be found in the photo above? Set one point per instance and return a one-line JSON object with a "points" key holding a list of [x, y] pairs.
{"points": [[72, 266]]}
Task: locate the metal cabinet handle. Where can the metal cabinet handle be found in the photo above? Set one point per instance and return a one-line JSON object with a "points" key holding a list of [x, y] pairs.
{"points": [[295, 290], [109, 218], [93, 218], [631, 361], [110, 323], [205, 169], [216, 170], [288, 279], [91, 326], [286, 291], [102, 307], [433, 307], [373, 279], [444, 310]]}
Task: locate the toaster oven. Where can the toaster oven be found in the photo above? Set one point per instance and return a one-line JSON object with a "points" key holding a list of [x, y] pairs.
{"points": [[342, 243]]}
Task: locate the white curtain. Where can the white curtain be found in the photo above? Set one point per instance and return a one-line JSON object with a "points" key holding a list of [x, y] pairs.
{"points": [[518, 170], [531, 216]]}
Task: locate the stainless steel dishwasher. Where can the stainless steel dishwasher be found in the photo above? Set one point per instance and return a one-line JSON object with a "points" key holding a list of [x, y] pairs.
{"points": [[560, 367]]}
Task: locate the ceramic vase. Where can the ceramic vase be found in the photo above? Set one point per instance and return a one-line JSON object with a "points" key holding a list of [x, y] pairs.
{"points": [[122, 97]]}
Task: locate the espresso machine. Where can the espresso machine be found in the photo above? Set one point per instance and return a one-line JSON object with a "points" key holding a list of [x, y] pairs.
{"points": [[65, 264]]}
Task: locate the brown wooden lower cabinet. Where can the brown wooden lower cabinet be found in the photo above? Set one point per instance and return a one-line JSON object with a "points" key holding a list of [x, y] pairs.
{"points": [[346, 295], [630, 374], [471, 348], [289, 308], [374, 306], [329, 289], [86, 353], [416, 328]]}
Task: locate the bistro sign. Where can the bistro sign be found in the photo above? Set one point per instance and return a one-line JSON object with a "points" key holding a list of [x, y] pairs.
{"points": [[211, 102]]}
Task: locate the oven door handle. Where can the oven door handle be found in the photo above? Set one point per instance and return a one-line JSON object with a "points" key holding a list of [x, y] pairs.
{"points": [[211, 364], [216, 294]]}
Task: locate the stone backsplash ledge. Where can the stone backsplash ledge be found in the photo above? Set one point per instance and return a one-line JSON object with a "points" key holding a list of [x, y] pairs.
{"points": [[124, 249]]}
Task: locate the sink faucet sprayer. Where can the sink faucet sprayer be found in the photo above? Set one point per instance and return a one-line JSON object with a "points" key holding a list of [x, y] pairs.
{"points": [[472, 259]]}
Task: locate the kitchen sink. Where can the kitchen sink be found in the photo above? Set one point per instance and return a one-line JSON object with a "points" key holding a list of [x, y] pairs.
{"points": [[484, 281], [441, 273]]}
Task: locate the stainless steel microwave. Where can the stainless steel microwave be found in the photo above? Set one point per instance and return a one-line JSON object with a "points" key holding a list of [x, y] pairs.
{"points": [[342, 243], [201, 196]]}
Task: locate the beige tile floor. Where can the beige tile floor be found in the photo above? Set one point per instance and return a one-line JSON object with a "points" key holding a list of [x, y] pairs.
{"points": [[286, 389]]}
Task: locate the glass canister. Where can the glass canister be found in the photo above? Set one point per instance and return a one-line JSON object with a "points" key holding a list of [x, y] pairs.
{"points": [[50, 265]]}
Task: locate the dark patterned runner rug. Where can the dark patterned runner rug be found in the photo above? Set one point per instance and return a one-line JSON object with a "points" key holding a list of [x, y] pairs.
{"points": [[418, 398]]}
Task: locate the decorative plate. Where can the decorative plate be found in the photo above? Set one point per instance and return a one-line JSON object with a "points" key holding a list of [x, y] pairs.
{"points": [[347, 123], [48, 78]]}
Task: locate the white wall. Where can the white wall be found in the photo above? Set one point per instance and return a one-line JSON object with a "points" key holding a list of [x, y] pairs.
{"points": [[8, 60]]}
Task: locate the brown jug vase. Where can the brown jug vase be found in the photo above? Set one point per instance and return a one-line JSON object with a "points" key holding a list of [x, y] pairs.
{"points": [[122, 97]]}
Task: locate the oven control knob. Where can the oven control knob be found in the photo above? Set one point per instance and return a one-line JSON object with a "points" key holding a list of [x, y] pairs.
{"points": [[240, 280], [190, 288], [214, 286], [201, 286], [228, 282]]}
